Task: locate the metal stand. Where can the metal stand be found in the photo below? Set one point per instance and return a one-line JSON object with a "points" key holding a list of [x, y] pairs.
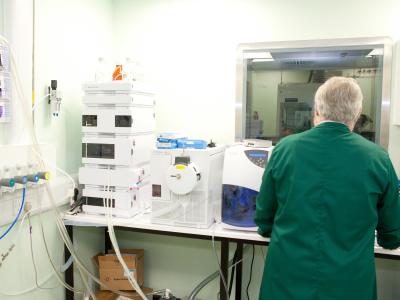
{"points": [[107, 241], [69, 273], [224, 268], [239, 269]]}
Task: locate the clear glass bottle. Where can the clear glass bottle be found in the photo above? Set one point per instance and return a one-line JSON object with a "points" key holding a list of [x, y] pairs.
{"points": [[101, 74], [129, 70]]}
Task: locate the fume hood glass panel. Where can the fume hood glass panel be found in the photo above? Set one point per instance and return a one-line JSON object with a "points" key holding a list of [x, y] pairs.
{"points": [[280, 88]]}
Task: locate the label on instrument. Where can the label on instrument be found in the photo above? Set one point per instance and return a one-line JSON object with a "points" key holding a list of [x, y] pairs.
{"points": [[180, 167]]}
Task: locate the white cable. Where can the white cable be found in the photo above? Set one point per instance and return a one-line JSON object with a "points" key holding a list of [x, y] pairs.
{"points": [[20, 227], [80, 270], [37, 102], [26, 291], [16, 237], [68, 176], [68, 264], [37, 284], [42, 162], [58, 275], [45, 280], [114, 242]]}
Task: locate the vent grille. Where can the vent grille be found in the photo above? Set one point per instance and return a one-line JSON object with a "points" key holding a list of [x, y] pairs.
{"points": [[299, 62]]}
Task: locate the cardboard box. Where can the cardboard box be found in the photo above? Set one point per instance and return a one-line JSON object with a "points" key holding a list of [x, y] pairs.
{"points": [[112, 273], [107, 295]]}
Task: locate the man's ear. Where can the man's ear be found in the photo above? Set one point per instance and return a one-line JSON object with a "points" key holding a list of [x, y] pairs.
{"points": [[353, 124]]}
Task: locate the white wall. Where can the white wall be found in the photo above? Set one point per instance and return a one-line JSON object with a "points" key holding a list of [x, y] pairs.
{"points": [[17, 29], [188, 49], [17, 272], [70, 36]]}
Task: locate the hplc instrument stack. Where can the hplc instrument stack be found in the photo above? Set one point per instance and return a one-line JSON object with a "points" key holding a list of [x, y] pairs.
{"points": [[118, 123]]}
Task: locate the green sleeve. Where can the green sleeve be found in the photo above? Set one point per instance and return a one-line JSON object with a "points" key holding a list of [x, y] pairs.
{"points": [[388, 228], [266, 203]]}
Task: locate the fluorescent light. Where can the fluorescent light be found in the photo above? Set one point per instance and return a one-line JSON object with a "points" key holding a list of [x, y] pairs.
{"points": [[257, 55], [375, 52], [262, 59]]}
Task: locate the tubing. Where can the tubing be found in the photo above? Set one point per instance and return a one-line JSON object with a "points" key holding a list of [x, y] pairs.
{"points": [[21, 208], [35, 147], [114, 242], [208, 279]]}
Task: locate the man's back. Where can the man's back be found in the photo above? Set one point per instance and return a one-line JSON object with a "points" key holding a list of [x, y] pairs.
{"points": [[324, 193]]}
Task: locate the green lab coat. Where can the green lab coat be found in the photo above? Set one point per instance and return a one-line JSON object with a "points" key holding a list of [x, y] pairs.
{"points": [[323, 194]]}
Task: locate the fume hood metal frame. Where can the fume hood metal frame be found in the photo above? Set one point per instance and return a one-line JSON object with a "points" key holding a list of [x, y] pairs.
{"points": [[321, 44]]}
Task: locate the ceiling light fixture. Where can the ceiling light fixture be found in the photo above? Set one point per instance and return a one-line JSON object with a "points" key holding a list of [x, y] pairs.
{"points": [[262, 59], [258, 55], [375, 52]]}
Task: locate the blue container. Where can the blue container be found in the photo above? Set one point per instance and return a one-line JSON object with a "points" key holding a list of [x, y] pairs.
{"points": [[238, 206], [166, 143], [191, 144]]}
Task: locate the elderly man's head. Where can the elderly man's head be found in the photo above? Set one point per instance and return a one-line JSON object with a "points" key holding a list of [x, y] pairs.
{"points": [[339, 99]]}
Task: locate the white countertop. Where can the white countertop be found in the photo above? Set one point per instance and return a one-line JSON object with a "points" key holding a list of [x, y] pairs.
{"points": [[143, 222]]}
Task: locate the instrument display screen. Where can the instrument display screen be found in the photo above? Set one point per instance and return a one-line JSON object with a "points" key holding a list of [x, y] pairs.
{"points": [[257, 157]]}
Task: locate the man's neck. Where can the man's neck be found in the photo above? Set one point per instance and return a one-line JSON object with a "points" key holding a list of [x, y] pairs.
{"points": [[330, 121]]}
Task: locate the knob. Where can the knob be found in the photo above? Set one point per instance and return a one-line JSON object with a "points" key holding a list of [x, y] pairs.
{"points": [[21, 179], [44, 175], [33, 178], [7, 182]]}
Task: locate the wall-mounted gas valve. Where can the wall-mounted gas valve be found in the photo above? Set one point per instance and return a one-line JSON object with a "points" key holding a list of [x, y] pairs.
{"points": [[54, 99]]}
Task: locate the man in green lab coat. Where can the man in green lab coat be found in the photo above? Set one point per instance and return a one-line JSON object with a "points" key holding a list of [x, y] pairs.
{"points": [[324, 193]]}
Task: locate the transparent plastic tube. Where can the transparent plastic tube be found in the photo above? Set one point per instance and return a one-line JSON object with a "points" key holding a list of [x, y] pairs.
{"points": [[114, 242]]}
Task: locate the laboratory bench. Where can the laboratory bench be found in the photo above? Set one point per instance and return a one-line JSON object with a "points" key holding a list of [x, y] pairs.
{"points": [[225, 236]]}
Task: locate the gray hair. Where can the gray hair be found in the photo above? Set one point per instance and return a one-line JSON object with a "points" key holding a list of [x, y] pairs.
{"points": [[339, 99]]}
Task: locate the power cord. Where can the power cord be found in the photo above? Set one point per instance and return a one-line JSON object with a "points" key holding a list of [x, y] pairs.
{"points": [[251, 274]]}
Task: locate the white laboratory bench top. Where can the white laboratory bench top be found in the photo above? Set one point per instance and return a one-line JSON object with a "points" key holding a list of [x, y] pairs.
{"points": [[217, 230]]}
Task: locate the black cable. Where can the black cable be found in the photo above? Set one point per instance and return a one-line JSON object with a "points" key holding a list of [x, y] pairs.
{"points": [[251, 274], [232, 272]]}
